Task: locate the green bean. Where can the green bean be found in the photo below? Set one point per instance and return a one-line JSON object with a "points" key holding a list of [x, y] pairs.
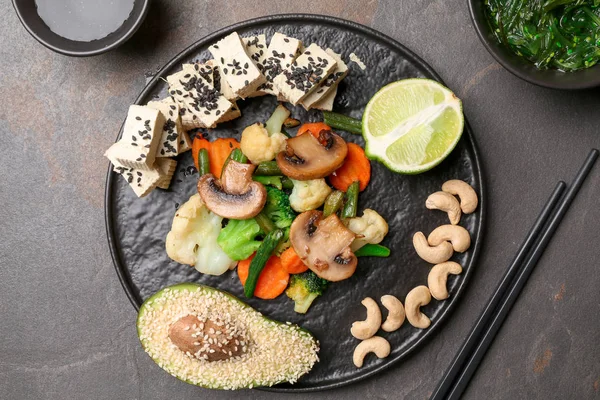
{"points": [[343, 122], [333, 202], [265, 223], [203, 162], [287, 183], [372, 250], [351, 203], [235, 155], [260, 260], [268, 168]]}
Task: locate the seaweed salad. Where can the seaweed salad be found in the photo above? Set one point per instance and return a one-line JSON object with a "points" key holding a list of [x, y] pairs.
{"points": [[560, 34]]}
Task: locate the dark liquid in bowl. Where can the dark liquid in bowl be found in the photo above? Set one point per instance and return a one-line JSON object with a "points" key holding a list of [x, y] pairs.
{"points": [[84, 20]]}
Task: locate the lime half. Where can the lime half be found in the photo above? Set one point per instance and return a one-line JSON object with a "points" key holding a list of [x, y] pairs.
{"points": [[412, 125]]}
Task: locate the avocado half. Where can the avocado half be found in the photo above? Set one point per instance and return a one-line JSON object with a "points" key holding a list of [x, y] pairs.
{"points": [[209, 338]]}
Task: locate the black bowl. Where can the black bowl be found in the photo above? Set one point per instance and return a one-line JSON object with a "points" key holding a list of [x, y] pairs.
{"points": [[27, 12], [551, 78]]}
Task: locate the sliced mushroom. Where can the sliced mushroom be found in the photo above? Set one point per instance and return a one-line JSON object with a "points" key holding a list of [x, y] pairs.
{"points": [[307, 157], [324, 245], [235, 195]]}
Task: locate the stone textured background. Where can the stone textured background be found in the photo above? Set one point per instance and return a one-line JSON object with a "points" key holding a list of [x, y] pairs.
{"points": [[67, 327]]}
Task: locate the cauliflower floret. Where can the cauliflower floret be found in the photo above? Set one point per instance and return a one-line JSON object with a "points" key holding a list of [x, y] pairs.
{"points": [[308, 195], [371, 226], [258, 146], [193, 238]]}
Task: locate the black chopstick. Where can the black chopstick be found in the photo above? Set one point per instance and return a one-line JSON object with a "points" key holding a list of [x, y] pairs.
{"points": [[463, 367]]}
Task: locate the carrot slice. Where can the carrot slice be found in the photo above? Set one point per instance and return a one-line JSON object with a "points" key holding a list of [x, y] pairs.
{"points": [[356, 167], [273, 279], [219, 151], [292, 262], [198, 144], [314, 128]]}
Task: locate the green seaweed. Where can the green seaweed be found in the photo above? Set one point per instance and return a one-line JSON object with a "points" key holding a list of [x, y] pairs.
{"points": [[560, 34]]}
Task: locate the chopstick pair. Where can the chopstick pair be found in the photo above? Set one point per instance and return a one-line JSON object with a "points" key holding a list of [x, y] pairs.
{"points": [[462, 368]]}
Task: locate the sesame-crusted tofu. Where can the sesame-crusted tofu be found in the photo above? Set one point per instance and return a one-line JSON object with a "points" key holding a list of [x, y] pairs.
{"points": [[141, 135], [326, 103], [141, 181], [256, 47], [339, 73], [220, 83], [169, 142], [305, 74], [204, 70], [238, 69], [282, 51], [185, 143], [203, 104], [166, 168]]}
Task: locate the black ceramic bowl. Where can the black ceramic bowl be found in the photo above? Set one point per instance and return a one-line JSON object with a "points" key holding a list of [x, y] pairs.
{"points": [[522, 68], [27, 12]]}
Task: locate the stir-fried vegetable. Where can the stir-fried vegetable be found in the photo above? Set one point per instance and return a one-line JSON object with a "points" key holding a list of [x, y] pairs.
{"points": [[238, 238], [343, 122], [203, 162], [356, 167], [260, 259], [269, 180], [372, 250], [333, 203], [562, 34], [304, 289], [314, 128], [277, 119], [267, 168], [292, 262], [351, 201], [272, 281], [278, 208]]}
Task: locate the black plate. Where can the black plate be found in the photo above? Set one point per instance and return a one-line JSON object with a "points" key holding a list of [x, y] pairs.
{"points": [[137, 227]]}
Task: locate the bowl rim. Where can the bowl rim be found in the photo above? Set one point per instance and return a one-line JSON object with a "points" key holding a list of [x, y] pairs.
{"points": [[482, 30], [118, 42]]}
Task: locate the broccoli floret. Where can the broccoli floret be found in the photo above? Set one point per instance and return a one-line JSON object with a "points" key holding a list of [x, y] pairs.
{"points": [[278, 208], [304, 289], [237, 239]]}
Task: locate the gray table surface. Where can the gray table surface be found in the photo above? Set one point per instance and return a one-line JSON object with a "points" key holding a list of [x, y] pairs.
{"points": [[67, 329]]}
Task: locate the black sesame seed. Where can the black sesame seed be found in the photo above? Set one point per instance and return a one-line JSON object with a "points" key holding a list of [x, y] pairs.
{"points": [[286, 40], [138, 118]]}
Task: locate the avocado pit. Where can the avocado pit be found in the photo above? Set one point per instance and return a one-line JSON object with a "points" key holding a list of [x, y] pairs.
{"points": [[207, 339]]}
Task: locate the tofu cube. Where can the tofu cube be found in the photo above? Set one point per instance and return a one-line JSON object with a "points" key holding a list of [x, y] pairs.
{"points": [[305, 74], [200, 99], [172, 128], [141, 181], [166, 168], [339, 73], [141, 136], [239, 70], [282, 51], [326, 103]]}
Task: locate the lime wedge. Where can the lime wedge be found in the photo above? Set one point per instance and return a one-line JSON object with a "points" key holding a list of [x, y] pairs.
{"points": [[412, 125]]}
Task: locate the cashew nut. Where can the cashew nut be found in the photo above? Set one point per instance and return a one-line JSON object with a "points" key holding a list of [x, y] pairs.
{"points": [[376, 344], [367, 328], [432, 254], [455, 234], [445, 202], [416, 298], [468, 197], [396, 313], [436, 280]]}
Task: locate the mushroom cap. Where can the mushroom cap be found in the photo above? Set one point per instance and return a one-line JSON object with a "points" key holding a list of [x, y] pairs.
{"points": [[235, 195], [324, 245], [307, 157]]}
